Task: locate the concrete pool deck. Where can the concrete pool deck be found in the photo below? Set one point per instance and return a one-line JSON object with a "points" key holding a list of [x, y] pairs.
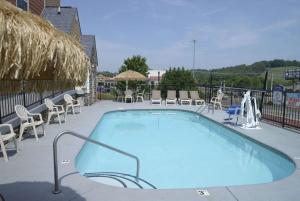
{"points": [[29, 174]]}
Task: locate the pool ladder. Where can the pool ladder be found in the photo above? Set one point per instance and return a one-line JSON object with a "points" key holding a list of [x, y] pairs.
{"points": [[55, 166]]}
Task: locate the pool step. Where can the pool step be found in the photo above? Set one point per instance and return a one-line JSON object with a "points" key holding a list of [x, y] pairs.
{"points": [[120, 180]]}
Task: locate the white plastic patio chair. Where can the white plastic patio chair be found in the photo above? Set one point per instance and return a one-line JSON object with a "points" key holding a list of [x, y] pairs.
{"points": [[27, 121], [55, 110], [71, 103], [217, 101], [128, 95], [7, 137], [140, 96]]}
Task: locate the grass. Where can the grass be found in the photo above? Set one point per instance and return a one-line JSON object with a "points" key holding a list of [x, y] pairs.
{"points": [[105, 96]]}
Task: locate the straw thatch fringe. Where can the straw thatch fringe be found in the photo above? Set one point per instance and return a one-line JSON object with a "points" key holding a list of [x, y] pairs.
{"points": [[31, 48]]}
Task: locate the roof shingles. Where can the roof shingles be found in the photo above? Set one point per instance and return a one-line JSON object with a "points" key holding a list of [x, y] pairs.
{"points": [[62, 21], [89, 44]]}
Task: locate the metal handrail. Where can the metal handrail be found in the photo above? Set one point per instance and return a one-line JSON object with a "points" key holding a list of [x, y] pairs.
{"points": [[56, 182]]}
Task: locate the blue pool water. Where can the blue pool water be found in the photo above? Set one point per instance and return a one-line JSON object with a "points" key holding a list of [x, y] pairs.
{"points": [[179, 149]]}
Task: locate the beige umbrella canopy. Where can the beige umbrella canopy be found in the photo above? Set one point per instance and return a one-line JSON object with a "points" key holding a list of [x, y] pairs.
{"points": [[32, 49], [130, 75]]}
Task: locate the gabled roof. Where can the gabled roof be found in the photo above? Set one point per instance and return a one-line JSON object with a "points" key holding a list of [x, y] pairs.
{"points": [[89, 44], [62, 21]]}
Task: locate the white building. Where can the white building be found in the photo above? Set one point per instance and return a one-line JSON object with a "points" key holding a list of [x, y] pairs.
{"points": [[154, 76]]}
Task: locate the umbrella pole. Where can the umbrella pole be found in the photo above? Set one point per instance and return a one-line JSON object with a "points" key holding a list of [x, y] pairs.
{"points": [[126, 85]]}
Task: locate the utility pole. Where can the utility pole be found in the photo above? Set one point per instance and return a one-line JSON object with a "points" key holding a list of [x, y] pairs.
{"points": [[194, 42]]}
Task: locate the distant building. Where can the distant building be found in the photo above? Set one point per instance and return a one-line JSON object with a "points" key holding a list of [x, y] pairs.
{"points": [[105, 81], [154, 76], [34, 6]]}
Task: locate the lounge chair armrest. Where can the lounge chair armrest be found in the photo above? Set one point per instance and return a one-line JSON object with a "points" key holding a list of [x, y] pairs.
{"points": [[9, 126], [55, 108], [75, 101], [30, 120], [59, 106], [36, 114]]}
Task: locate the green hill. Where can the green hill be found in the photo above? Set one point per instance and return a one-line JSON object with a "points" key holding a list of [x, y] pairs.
{"points": [[249, 76]]}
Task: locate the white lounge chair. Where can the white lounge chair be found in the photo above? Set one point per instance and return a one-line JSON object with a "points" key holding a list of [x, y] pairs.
{"points": [[55, 110], [195, 97], [217, 101], [184, 98], [128, 95], [140, 96], [7, 137], [28, 121], [171, 97], [71, 103], [156, 97]]}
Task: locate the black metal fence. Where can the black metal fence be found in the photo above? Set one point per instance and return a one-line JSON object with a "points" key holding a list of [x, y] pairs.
{"points": [[13, 96], [285, 112]]}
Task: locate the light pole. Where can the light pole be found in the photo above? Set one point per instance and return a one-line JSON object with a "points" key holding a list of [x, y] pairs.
{"points": [[194, 42]]}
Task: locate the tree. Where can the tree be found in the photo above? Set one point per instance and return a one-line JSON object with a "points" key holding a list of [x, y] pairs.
{"points": [[177, 79], [136, 63]]}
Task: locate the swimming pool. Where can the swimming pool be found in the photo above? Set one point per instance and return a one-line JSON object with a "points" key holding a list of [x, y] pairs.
{"points": [[179, 149]]}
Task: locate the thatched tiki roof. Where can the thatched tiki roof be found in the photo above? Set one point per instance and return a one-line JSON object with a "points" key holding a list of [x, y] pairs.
{"points": [[130, 75], [32, 49]]}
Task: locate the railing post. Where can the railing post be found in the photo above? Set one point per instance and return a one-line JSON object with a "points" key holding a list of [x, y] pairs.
{"points": [[210, 86], [205, 93], [100, 93], [23, 92], [231, 96], [263, 93], [284, 107], [0, 115], [41, 97]]}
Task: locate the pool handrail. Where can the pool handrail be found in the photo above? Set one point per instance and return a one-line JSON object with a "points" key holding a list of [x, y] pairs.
{"points": [[57, 137]]}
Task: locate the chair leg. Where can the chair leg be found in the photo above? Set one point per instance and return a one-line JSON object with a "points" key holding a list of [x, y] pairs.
{"points": [[49, 117], [67, 108], [3, 151], [44, 131], [73, 109], [58, 116], [16, 144], [35, 133], [21, 132]]}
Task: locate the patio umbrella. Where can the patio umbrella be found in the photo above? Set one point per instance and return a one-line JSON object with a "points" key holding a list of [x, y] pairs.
{"points": [[32, 49], [130, 75]]}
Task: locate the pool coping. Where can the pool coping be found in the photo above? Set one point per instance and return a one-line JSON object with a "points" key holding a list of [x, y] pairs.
{"points": [[238, 132], [283, 189]]}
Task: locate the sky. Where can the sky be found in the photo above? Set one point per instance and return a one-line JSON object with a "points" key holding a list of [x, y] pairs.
{"points": [[227, 32]]}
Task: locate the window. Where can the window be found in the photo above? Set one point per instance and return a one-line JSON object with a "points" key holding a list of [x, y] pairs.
{"points": [[23, 4]]}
